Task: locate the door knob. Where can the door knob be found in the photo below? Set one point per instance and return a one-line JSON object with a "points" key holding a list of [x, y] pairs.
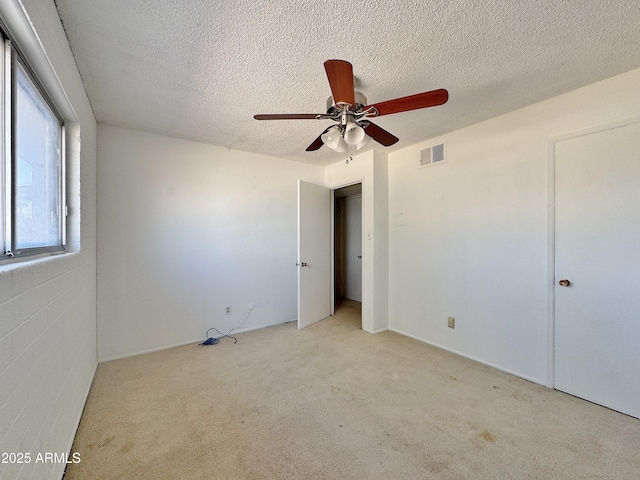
{"points": [[564, 282]]}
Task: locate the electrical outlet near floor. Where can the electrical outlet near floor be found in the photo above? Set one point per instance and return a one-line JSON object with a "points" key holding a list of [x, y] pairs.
{"points": [[451, 322], [227, 310]]}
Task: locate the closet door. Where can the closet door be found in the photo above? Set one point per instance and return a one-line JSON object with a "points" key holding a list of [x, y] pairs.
{"points": [[597, 267]]}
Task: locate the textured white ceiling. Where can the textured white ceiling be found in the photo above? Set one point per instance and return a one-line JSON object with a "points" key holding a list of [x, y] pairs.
{"points": [[200, 69]]}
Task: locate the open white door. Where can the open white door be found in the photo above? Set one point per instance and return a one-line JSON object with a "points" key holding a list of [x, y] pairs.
{"points": [[314, 253]]}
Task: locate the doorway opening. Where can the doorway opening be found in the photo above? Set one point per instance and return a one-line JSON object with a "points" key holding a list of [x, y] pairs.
{"points": [[348, 252]]}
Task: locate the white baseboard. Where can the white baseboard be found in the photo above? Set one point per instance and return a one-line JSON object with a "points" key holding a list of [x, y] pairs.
{"points": [[469, 357], [188, 342], [375, 332]]}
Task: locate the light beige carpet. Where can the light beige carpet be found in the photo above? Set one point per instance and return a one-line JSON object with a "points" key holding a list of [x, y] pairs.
{"points": [[334, 402]]}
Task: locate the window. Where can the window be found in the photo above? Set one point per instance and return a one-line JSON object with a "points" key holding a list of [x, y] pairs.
{"points": [[33, 207]]}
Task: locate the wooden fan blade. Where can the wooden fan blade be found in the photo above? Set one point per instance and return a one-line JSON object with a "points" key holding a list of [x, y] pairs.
{"points": [[340, 76], [412, 102], [291, 116], [317, 143], [380, 135]]}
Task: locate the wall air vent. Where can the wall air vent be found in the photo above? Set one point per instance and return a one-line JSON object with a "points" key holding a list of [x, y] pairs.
{"points": [[432, 155]]}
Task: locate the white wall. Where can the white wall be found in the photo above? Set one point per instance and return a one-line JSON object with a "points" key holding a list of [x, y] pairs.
{"points": [[348, 247], [469, 238], [48, 306], [370, 168], [381, 241], [185, 229]]}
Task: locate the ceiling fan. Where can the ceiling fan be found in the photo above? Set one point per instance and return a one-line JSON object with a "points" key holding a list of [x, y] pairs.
{"points": [[349, 109]]}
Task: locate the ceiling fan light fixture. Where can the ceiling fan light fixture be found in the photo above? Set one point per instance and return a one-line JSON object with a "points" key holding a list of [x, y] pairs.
{"points": [[354, 136], [353, 133], [342, 146], [331, 137], [364, 141]]}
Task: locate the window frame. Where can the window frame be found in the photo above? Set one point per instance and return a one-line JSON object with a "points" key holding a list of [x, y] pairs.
{"points": [[11, 58]]}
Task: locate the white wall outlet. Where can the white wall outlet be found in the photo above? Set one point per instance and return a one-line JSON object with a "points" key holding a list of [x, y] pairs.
{"points": [[451, 322], [227, 310]]}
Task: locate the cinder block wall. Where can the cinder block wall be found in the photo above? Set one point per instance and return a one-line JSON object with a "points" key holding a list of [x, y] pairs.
{"points": [[48, 306]]}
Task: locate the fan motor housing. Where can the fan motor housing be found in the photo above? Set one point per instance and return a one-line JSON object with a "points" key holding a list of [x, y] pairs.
{"points": [[360, 99]]}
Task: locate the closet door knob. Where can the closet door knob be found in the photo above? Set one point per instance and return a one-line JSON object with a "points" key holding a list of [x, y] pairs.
{"points": [[564, 282]]}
